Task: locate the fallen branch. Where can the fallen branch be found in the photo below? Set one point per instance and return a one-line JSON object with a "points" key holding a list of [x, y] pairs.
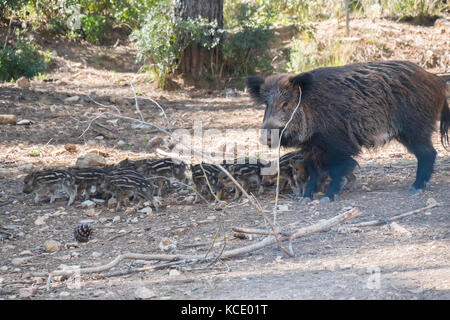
{"points": [[287, 236], [380, 222]]}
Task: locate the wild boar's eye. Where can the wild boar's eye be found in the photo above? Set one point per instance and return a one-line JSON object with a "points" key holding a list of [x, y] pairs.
{"points": [[284, 105]]}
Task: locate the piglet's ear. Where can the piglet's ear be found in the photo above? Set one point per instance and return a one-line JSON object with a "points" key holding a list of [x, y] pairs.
{"points": [[253, 85]]}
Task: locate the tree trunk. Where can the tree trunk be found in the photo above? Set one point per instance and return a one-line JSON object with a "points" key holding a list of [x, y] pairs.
{"points": [[197, 61]]}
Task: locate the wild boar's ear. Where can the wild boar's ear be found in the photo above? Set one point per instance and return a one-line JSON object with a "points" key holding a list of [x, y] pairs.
{"points": [[254, 88], [304, 80]]}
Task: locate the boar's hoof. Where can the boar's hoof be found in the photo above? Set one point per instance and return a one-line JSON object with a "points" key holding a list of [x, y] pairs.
{"points": [[292, 195], [304, 200], [328, 199], [415, 191]]}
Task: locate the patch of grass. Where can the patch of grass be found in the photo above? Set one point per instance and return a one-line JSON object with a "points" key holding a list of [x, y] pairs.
{"points": [[307, 53], [310, 52], [21, 59], [423, 12]]}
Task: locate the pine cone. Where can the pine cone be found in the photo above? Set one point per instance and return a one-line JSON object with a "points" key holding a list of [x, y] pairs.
{"points": [[83, 232]]}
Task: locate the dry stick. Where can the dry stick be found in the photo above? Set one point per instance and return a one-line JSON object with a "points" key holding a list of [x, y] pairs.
{"points": [[104, 105], [89, 126], [264, 232], [136, 101], [278, 160], [379, 222], [288, 236], [159, 106]]}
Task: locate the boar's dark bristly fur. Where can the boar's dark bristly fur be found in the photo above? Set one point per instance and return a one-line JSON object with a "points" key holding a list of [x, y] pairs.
{"points": [[359, 105]]}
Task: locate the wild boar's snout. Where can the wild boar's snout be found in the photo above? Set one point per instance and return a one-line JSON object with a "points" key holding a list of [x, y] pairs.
{"points": [[271, 128]]}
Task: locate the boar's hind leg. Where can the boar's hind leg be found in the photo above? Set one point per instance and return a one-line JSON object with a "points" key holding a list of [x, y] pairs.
{"points": [[315, 175], [426, 155], [338, 170]]}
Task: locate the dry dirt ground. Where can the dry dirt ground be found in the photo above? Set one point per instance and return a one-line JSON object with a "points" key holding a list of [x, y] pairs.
{"points": [[369, 263]]}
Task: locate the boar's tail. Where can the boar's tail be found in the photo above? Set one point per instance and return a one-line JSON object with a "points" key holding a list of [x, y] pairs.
{"points": [[445, 125]]}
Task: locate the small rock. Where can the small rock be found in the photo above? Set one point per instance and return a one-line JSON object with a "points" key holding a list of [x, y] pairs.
{"points": [[229, 93], [146, 210], [86, 221], [99, 293], [130, 210], [121, 143], [8, 119], [26, 253], [431, 202], [91, 160], [4, 268], [112, 203], [174, 272], [52, 246], [166, 245], [40, 90], [103, 220], [70, 148], [27, 292], [134, 220], [96, 254], [99, 137], [400, 230], [178, 231], [116, 219], [91, 213], [24, 122], [88, 204], [64, 294], [189, 200], [154, 142], [23, 83], [113, 121], [20, 261], [144, 293], [118, 100], [72, 99]]}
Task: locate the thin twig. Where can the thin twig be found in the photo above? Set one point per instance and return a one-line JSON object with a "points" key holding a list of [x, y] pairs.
{"points": [[136, 101], [277, 191], [379, 222], [291, 235]]}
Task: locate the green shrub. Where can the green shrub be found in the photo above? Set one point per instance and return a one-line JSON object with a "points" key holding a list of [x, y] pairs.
{"points": [[22, 59], [162, 39], [156, 43], [93, 27], [308, 52], [418, 10], [246, 49]]}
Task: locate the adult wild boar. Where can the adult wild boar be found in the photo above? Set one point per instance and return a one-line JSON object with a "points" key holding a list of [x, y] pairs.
{"points": [[343, 109]]}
